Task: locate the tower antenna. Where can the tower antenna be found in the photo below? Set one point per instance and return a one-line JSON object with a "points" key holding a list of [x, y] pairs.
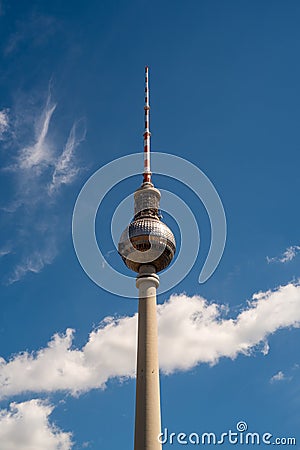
{"points": [[147, 134]]}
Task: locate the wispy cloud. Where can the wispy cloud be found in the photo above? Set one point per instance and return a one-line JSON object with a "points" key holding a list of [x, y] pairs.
{"points": [[39, 169], [41, 162], [33, 263], [289, 254], [4, 251], [38, 154], [283, 376], [4, 123], [279, 376], [36, 29], [191, 331], [65, 169], [26, 426]]}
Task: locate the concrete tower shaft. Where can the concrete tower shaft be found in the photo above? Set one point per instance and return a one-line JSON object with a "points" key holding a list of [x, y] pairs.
{"points": [[147, 410]]}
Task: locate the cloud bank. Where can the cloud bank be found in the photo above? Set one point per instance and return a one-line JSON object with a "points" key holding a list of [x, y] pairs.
{"points": [[26, 425], [191, 331]]}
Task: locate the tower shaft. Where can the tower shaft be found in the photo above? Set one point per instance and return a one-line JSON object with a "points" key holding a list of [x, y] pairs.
{"points": [[147, 412]]}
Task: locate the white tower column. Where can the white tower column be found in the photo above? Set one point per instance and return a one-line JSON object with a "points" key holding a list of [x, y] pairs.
{"points": [[147, 412]]}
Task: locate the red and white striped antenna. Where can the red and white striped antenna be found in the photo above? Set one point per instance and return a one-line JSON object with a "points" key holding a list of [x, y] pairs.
{"points": [[147, 134]]}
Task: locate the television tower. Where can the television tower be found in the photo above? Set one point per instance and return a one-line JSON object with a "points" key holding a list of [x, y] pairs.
{"points": [[147, 246]]}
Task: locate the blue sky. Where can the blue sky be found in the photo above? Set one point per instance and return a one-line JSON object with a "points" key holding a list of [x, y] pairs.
{"points": [[224, 80]]}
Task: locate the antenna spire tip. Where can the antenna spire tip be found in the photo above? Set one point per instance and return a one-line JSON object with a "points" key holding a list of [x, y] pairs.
{"points": [[147, 134]]}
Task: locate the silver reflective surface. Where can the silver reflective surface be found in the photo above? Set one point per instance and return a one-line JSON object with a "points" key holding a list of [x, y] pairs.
{"points": [[147, 240]]}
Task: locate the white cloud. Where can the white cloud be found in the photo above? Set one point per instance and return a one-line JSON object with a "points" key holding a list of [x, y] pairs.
{"points": [[280, 376], [26, 426], [4, 123], [191, 331], [108, 353], [204, 336], [289, 254]]}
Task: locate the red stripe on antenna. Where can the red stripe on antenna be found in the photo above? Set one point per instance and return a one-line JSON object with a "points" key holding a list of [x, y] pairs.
{"points": [[147, 134]]}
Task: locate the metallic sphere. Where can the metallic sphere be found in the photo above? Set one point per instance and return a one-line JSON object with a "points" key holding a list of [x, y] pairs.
{"points": [[147, 240]]}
